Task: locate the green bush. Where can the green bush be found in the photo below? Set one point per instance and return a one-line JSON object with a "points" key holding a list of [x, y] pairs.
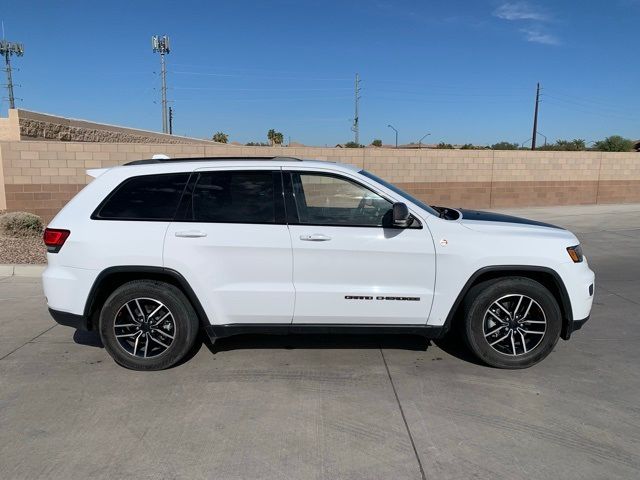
{"points": [[20, 224], [505, 146], [614, 143]]}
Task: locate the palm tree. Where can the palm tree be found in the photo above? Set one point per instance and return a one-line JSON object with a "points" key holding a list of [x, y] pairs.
{"points": [[275, 138], [220, 137]]}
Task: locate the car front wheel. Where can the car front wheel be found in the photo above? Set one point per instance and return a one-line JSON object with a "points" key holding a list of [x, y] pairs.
{"points": [[512, 323]]}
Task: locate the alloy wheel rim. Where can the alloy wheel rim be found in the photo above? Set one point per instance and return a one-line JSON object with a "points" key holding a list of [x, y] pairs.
{"points": [[144, 327], [514, 325]]}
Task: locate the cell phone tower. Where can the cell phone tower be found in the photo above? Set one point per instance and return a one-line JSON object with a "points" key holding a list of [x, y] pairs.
{"points": [[160, 44], [7, 49]]}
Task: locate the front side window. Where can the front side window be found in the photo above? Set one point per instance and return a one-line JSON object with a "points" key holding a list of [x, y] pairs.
{"points": [[400, 192], [323, 199], [233, 197], [148, 197]]}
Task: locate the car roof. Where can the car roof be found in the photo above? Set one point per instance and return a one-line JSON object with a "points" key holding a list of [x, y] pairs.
{"points": [[157, 161], [174, 164]]}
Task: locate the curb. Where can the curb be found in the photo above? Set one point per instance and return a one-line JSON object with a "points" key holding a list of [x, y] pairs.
{"points": [[23, 270]]}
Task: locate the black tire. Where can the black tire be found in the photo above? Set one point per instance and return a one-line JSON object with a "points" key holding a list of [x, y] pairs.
{"points": [[477, 318], [182, 323]]}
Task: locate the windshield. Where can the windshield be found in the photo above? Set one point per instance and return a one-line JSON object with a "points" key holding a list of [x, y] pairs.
{"points": [[400, 192]]}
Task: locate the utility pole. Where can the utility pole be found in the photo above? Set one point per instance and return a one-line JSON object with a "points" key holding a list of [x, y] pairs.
{"points": [[356, 118], [170, 121], [160, 44], [535, 119], [7, 49]]}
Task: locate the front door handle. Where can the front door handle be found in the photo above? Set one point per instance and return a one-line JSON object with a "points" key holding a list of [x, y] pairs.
{"points": [[191, 234], [316, 237]]}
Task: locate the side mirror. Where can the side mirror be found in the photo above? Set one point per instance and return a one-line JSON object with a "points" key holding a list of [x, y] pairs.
{"points": [[401, 216]]}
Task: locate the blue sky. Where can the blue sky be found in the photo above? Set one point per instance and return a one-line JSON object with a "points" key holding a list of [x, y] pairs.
{"points": [[465, 71]]}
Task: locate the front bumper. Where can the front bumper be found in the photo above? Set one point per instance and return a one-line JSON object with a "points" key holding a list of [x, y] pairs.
{"points": [[579, 281], [577, 324], [79, 322]]}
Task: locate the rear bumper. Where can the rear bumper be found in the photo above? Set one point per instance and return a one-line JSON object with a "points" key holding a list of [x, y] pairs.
{"points": [[67, 288], [79, 322]]}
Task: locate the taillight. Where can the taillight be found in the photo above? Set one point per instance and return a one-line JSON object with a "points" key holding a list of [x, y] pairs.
{"points": [[54, 239]]}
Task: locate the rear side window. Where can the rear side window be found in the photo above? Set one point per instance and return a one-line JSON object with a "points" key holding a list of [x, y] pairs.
{"points": [[234, 197], [149, 197]]}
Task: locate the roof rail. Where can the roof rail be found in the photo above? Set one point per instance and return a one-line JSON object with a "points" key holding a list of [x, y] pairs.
{"points": [[156, 161]]}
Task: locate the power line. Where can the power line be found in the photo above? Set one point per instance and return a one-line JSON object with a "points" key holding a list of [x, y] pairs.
{"points": [[591, 112], [271, 99], [589, 100], [587, 105], [263, 89], [268, 77]]}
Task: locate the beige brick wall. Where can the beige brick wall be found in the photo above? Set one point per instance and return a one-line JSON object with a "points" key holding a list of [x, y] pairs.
{"points": [[3, 195], [41, 176], [10, 127]]}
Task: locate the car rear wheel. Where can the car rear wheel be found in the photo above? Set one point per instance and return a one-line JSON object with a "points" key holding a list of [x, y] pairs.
{"points": [[511, 323], [148, 325]]}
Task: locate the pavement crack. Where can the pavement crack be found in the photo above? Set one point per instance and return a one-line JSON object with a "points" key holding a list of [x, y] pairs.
{"points": [[404, 418], [617, 295], [26, 343]]}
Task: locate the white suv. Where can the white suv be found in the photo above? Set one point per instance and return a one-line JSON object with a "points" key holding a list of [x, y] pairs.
{"points": [[153, 251]]}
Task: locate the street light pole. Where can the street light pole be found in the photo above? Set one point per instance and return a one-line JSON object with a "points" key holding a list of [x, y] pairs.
{"points": [[545, 138], [420, 141], [394, 129]]}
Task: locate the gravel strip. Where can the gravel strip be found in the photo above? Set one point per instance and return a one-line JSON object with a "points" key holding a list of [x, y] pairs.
{"points": [[29, 250]]}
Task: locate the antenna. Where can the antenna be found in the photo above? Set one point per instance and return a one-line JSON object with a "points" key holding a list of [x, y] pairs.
{"points": [[160, 44], [7, 49]]}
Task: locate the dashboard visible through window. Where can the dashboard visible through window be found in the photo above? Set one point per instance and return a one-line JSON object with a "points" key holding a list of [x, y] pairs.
{"points": [[324, 199]]}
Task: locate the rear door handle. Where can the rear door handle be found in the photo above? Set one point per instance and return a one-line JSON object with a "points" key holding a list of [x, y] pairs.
{"points": [[191, 234], [315, 237]]}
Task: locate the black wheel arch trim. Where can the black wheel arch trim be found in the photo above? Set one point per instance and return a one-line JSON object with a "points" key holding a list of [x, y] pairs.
{"points": [[176, 276], [567, 313]]}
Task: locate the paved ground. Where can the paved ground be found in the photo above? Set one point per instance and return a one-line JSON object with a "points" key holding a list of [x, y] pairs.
{"points": [[333, 408]]}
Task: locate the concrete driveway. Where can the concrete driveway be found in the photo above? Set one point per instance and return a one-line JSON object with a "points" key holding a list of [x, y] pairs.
{"points": [[333, 407]]}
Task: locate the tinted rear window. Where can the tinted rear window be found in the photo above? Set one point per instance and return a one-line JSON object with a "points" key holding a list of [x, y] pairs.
{"points": [[233, 197], [149, 197]]}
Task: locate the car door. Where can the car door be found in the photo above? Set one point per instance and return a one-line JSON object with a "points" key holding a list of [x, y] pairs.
{"points": [[230, 241], [350, 266]]}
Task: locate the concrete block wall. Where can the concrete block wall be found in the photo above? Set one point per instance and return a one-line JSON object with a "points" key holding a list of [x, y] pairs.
{"points": [[41, 176], [10, 127]]}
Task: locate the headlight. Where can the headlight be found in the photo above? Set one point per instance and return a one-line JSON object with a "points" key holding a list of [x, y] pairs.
{"points": [[575, 253]]}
